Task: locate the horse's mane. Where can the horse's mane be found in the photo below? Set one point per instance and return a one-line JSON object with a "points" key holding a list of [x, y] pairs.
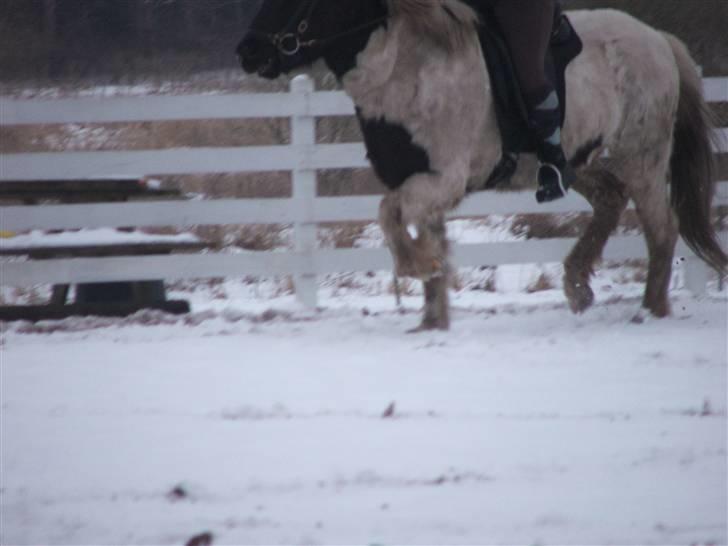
{"points": [[447, 21]]}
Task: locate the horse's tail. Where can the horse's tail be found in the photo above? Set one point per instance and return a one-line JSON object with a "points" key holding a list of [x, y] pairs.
{"points": [[692, 164]]}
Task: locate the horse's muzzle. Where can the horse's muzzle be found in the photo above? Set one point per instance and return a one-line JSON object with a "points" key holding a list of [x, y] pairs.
{"points": [[259, 57]]}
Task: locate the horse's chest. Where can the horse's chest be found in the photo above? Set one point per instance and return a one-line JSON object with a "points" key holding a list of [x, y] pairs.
{"points": [[392, 152]]}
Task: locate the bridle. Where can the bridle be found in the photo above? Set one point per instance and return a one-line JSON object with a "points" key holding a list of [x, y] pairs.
{"points": [[288, 42]]}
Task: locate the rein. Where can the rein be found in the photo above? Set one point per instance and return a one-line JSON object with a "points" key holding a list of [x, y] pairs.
{"points": [[288, 42]]}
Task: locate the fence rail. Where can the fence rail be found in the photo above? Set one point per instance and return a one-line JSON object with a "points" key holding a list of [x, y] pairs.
{"points": [[223, 106], [304, 210]]}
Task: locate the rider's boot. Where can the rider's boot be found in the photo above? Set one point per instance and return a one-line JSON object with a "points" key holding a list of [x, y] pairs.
{"points": [[555, 174]]}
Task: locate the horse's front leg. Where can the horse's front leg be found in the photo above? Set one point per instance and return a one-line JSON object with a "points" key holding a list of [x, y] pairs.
{"points": [[436, 313], [413, 221], [415, 249], [424, 256], [410, 218]]}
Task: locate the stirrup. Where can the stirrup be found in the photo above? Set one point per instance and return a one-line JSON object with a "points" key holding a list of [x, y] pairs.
{"points": [[552, 182]]}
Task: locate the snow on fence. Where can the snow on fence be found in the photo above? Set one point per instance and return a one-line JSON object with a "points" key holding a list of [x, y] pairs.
{"points": [[304, 210]]}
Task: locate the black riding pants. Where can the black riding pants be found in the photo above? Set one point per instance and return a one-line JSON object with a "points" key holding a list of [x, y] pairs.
{"points": [[527, 26]]}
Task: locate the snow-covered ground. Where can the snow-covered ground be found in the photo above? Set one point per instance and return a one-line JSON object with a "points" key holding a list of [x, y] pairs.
{"points": [[262, 423]]}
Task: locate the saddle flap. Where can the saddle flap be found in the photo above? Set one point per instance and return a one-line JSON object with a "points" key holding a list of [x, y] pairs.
{"points": [[510, 107]]}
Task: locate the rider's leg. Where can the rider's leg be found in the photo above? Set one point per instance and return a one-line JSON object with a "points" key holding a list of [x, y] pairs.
{"points": [[527, 26]]}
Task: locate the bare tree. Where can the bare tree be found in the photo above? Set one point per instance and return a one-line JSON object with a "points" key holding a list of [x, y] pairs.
{"points": [[50, 32], [144, 23]]}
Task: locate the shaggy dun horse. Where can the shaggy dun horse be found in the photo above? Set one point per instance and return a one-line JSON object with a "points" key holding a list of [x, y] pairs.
{"points": [[416, 73]]}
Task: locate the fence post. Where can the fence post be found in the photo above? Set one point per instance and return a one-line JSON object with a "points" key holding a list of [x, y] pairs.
{"points": [[697, 275], [303, 137]]}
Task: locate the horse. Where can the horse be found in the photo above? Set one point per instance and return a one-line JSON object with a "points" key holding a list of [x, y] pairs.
{"points": [[416, 73]]}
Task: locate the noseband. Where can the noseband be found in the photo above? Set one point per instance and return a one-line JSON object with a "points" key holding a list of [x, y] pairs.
{"points": [[288, 42]]}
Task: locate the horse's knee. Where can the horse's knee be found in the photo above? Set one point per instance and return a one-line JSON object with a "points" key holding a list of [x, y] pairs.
{"points": [[390, 214], [426, 197], [429, 251]]}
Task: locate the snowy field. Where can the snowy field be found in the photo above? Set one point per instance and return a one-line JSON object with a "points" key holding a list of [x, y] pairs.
{"points": [[267, 424]]}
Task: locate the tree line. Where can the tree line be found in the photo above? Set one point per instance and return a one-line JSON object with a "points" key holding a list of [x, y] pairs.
{"points": [[118, 40]]}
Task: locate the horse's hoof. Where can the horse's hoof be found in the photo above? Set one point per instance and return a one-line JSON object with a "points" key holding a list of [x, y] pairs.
{"points": [[645, 314], [580, 297], [430, 326], [659, 309], [640, 317]]}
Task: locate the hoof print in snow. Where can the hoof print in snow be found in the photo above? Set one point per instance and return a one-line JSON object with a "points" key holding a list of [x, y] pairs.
{"points": [[639, 318], [178, 493], [389, 412], [204, 539]]}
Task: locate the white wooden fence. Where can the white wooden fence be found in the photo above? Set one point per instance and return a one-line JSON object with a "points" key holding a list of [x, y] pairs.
{"points": [[304, 210]]}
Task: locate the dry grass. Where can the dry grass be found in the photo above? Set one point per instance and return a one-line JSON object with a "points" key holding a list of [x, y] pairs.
{"points": [[541, 284], [546, 226], [143, 135]]}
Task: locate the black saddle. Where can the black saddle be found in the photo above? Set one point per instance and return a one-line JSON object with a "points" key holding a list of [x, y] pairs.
{"points": [[510, 107]]}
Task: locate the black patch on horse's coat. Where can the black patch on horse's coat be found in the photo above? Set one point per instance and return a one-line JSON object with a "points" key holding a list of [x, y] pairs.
{"points": [[582, 154], [341, 57], [392, 152]]}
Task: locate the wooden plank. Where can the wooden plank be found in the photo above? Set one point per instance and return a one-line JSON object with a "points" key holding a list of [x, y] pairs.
{"points": [[305, 237], [173, 108], [254, 211], [73, 165], [722, 144], [148, 108], [716, 89], [266, 264], [199, 106], [721, 194], [175, 266], [35, 313], [148, 214], [30, 167], [184, 214]]}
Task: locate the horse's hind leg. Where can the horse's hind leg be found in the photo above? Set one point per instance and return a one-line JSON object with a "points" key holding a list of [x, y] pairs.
{"points": [[649, 193], [607, 197]]}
